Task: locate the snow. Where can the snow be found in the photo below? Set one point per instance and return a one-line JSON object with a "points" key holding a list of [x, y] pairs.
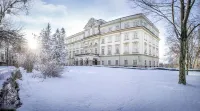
{"points": [[110, 89]]}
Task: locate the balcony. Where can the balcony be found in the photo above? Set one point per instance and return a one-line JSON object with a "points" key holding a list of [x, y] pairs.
{"points": [[86, 54], [126, 52]]}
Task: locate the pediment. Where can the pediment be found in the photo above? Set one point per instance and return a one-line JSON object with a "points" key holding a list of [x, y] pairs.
{"points": [[93, 22]]}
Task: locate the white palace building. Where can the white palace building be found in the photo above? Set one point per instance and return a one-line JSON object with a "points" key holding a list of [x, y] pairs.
{"points": [[127, 41]]}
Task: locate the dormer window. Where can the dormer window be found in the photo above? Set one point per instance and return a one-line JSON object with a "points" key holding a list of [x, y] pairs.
{"points": [[117, 27], [93, 31], [88, 32], [126, 25], [110, 29]]}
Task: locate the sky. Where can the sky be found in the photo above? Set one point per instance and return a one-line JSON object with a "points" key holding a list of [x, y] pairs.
{"points": [[74, 14]]}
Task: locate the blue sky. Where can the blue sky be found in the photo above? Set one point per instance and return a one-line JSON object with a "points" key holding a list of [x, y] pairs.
{"points": [[74, 14]]}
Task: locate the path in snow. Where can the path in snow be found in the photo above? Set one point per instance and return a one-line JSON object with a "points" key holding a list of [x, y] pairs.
{"points": [[110, 89]]}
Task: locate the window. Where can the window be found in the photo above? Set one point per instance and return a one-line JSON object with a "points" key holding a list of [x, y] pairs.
{"points": [[93, 31], [145, 48], [154, 64], [86, 44], [2, 57], [88, 32], [102, 50], [77, 51], [137, 23], [109, 62], [117, 38], [134, 62], [110, 39], [69, 54], [117, 27], [82, 51], [95, 44], [157, 52], [95, 50], [149, 63], [126, 25], [135, 47], [144, 24], [145, 63], [145, 36], [85, 51], [153, 51], [126, 48], [102, 62], [82, 44], [126, 36], [135, 35], [116, 62], [102, 41], [109, 50], [90, 43], [149, 49], [134, 24], [125, 62], [141, 22], [117, 49], [110, 29], [91, 51], [102, 30]]}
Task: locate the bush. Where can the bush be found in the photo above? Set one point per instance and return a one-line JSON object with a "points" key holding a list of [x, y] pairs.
{"points": [[9, 94], [51, 69], [16, 74]]}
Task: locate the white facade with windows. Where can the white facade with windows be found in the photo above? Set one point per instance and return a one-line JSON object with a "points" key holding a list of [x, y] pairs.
{"points": [[126, 41]]}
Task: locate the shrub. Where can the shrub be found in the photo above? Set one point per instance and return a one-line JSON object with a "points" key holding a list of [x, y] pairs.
{"points": [[51, 69], [9, 94]]}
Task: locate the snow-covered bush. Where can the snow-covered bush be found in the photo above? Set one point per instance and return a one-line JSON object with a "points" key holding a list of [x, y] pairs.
{"points": [[9, 94], [51, 69]]}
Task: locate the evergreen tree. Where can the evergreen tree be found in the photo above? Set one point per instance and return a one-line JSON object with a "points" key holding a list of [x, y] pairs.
{"points": [[49, 55], [63, 48], [56, 46]]}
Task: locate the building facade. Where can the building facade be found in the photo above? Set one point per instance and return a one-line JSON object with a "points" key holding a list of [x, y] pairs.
{"points": [[126, 41]]}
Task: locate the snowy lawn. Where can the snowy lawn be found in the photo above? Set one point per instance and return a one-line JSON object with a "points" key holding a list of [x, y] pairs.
{"points": [[110, 89]]}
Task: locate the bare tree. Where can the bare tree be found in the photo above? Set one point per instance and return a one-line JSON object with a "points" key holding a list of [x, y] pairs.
{"points": [[13, 7], [8, 35], [177, 13], [192, 49]]}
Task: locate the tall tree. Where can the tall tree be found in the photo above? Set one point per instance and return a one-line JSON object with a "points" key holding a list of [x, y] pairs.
{"points": [[177, 13], [62, 46], [50, 56]]}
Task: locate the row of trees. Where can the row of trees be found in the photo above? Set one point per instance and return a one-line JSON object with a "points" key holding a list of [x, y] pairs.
{"points": [[192, 51], [11, 38], [182, 16], [51, 56]]}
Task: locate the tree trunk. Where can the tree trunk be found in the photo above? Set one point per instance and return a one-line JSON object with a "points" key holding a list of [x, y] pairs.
{"points": [[187, 53], [182, 79]]}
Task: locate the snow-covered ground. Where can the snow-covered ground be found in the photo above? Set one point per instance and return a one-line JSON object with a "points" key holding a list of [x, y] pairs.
{"points": [[110, 89]]}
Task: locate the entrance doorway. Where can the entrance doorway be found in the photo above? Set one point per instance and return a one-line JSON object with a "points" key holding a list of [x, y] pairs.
{"points": [[95, 62]]}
